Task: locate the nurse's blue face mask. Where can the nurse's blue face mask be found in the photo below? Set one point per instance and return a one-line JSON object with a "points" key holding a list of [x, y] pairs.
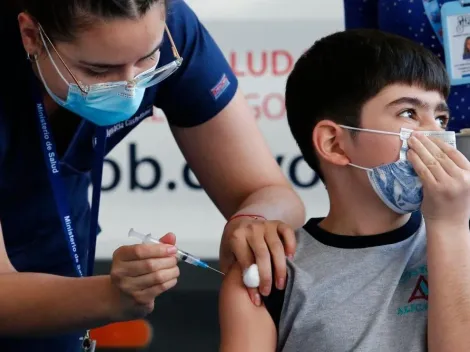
{"points": [[397, 183], [106, 104]]}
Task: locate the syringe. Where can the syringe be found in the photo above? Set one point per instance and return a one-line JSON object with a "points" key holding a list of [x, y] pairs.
{"points": [[181, 255]]}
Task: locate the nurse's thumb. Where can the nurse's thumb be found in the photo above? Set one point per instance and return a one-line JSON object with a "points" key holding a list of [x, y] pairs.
{"points": [[169, 238]]}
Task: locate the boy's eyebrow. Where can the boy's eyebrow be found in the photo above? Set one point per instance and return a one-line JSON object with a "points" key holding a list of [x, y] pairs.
{"points": [[103, 65], [442, 106]]}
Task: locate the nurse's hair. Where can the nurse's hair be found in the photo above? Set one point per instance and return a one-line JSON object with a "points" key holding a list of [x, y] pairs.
{"points": [[63, 19], [343, 71]]}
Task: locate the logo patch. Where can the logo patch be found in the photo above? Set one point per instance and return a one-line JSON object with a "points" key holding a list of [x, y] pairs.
{"points": [[220, 87], [418, 299], [420, 291]]}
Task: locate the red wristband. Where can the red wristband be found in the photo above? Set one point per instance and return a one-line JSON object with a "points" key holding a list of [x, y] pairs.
{"points": [[253, 216]]}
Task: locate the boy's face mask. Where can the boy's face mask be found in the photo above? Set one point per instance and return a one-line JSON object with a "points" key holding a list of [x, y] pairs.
{"points": [[397, 184]]}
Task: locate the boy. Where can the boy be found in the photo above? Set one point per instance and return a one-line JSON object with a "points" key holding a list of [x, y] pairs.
{"points": [[360, 276]]}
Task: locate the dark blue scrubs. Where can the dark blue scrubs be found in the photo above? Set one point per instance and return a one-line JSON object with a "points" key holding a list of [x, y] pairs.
{"points": [[33, 235]]}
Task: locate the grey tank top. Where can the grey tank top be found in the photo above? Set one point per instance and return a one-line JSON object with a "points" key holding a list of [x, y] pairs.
{"points": [[354, 293]]}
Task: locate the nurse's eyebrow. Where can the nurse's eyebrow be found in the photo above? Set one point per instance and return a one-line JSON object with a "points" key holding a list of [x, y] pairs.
{"points": [[103, 65], [442, 106]]}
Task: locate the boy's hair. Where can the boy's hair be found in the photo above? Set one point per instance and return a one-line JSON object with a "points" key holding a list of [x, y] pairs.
{"points": [[341, 72]]}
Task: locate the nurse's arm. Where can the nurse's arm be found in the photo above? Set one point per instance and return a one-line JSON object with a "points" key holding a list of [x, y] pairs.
{"points": [[234, 165], [32, 303], [243, 326]]}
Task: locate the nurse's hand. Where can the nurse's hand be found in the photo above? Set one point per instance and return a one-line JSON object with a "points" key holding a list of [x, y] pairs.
{"points": [[266, 243], [142, 272]]}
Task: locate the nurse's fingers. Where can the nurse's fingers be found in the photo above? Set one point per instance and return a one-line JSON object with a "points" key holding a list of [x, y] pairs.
{"points": [[260, 249], [288, 238], [278, 258], [144, 282], [157, 290], [244, 256], [143, 267], [143, 251]]}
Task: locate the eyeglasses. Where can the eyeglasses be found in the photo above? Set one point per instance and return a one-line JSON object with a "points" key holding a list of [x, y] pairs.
{"points": [[144, 80]]}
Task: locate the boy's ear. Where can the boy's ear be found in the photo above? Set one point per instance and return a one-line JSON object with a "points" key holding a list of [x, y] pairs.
{"points": [[329, 141]]}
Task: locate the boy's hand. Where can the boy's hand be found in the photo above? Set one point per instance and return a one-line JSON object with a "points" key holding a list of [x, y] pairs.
{"points": [[445, 174]]}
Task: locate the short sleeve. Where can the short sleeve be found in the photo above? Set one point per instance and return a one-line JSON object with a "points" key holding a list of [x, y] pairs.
{"points": [[361, 13], [205, 82]]}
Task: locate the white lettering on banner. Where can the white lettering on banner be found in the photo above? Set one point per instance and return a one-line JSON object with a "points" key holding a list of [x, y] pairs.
{"points": [[128, 123]]}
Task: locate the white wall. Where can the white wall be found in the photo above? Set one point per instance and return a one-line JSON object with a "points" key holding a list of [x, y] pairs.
{"points": [[267, 10], [239, 27]]}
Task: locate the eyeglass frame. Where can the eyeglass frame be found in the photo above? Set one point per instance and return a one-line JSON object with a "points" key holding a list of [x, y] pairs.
{"points": [[178, 61]]}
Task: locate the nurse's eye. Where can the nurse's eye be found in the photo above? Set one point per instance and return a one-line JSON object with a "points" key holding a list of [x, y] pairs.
{"points": [[155, 57], [408, 113], [96, 74]]}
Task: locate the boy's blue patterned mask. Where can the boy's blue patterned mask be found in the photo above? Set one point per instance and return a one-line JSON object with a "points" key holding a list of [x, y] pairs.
{"points": [[397, 184]]}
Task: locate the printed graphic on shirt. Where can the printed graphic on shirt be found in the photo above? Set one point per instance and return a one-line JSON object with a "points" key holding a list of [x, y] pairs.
{"points": [[421, 290], [418, 299], [220, 87]]}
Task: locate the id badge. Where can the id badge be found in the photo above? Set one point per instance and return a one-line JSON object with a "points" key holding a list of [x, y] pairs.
{"points": [[455, 17]]}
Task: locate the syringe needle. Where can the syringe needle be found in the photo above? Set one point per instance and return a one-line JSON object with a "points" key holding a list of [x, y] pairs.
{"points": [[216, 270]]}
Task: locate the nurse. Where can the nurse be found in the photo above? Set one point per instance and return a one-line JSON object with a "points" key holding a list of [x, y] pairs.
{"points": [[78, 76], [422, 21]]}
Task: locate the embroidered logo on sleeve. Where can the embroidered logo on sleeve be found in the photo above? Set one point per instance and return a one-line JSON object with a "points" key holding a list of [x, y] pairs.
{"points": [[220, 87]]}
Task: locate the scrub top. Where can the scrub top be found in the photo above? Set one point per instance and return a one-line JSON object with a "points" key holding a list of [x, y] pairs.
{"points": [[32, 230], [408, 19]]}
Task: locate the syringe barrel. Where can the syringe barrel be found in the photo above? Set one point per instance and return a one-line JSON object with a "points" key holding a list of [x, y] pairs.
{"points": [[188, 258]]}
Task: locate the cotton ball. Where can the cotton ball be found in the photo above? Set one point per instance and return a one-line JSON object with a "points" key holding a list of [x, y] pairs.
{"points": [[251, 276]]}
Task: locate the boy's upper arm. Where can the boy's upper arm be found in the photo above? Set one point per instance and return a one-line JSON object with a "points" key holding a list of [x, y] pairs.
{"points": [[244, 327], [361, 13]]}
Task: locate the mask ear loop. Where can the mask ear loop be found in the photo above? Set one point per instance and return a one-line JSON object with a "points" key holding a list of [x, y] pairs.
{"points": [[34, 60], [52, 59], [370, 131]]}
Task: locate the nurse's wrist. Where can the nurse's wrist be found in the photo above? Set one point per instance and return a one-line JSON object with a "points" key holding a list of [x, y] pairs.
{"points": [[111, 302]]}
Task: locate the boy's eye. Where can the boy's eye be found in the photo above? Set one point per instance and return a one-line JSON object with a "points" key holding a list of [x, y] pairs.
{"points": [[442, 121], [409, 114]]}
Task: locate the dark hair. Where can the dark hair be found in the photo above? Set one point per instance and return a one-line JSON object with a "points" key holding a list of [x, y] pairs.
{"points": [[62, 19], [341, 72]]}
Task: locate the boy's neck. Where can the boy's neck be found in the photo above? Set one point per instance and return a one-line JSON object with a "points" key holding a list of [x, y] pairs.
{"points": [[362, 215]]}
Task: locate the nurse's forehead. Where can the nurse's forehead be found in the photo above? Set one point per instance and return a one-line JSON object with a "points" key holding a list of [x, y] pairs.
{"points": [[117, 41]]}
